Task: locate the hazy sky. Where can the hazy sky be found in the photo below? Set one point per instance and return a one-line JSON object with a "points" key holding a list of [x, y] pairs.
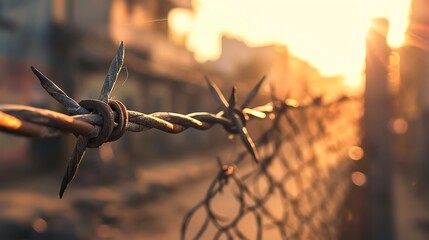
{"points": [[330, 34]]}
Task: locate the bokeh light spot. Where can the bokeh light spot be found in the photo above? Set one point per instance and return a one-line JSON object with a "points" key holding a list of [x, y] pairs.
{"points": [[40, 225], [356, 153], [106, 152], [399, 126], [358, 179]]}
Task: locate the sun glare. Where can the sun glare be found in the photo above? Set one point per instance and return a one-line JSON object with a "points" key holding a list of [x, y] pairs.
{"points": [[180, 20], [329, 34]]}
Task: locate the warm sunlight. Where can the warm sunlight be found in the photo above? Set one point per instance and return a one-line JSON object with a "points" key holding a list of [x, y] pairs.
{"points": [[180, 20], [329, 34]]}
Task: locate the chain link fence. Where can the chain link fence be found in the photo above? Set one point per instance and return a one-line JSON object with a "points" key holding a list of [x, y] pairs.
{"points": [[296, 191]]}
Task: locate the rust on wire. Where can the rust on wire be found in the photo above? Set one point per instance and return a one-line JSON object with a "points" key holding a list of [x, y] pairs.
{"points": [[96, 121], [309, 189], [46, 118], [305, 181], [11, 124]]}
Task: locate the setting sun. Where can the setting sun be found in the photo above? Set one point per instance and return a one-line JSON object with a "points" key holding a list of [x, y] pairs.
{"points": [[329, 34]]}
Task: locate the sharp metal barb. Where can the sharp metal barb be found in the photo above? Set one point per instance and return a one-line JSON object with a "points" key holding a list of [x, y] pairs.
{"points": [[76, 158], [232, 99], [285, 153], [219, 163], [245, 137], [252, 93], [217, 95], [112, 74], [58, 94]]}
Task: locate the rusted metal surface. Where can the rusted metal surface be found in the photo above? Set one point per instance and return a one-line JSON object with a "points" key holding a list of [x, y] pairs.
{"points": [[96, 121], [298, 186], [48, 118]]}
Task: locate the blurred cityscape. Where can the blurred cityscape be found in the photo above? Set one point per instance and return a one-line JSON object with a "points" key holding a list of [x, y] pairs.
{"points": [[73, 43]]}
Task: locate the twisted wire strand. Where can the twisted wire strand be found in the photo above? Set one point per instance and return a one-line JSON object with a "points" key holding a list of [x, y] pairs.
{"points": [[90, 124], [313, 212], [42, 123], [51, 123]]}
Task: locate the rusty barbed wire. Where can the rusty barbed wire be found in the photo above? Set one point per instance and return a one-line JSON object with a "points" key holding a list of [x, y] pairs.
{"points": [[96, 121]]}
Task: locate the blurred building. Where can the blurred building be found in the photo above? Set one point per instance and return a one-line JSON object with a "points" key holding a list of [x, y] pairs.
{"points": [[242, 65], [74, 42], [25, 40], [159, 75]]}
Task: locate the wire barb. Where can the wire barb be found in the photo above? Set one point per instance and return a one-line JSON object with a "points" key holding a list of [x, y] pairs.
{"points": [[113, 73], [253, 93], [236, 115], [98, 121], [58, 94], [73, 166], [298, 186]]}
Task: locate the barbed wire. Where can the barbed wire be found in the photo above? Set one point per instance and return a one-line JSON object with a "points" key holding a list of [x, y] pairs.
{"points": [[305, 175], [96, 121]]}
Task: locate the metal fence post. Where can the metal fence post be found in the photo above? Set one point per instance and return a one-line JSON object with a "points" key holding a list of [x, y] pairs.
{"points": [[376, 132]]}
